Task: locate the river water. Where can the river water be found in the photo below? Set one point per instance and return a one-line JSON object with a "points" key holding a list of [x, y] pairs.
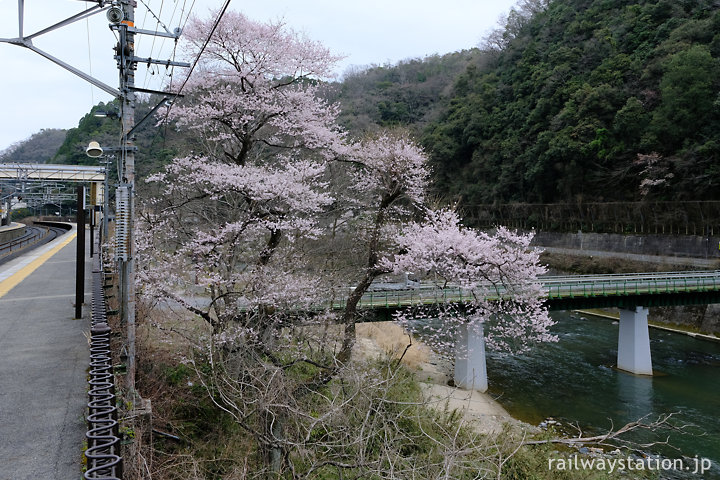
{"points": [[574, 380]]}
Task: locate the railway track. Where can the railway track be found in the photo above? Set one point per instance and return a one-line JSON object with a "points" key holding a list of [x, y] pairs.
{"points": [[35, 235]]}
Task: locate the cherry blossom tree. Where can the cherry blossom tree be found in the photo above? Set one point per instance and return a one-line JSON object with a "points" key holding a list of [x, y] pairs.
{"points": [[389, 175], [237, 208], [272, 235], [256, 91], [656, 173], [499, 272]]}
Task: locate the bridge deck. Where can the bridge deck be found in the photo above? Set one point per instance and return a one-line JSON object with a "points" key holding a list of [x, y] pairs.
{"points": [[43, 361], [575, 291]]}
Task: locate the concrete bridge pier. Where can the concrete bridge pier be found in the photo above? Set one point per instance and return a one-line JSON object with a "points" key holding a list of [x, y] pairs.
{"points": [[634, 342], [470, 364]]}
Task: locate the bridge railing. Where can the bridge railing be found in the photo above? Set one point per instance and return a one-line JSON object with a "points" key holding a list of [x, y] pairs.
{"points": [[637, 284], [415, 296], [555, 287]]}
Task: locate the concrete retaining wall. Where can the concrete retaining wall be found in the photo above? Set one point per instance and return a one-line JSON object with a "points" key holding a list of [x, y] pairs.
{"points": [[665, 245], [11, 232], [703, 318]]}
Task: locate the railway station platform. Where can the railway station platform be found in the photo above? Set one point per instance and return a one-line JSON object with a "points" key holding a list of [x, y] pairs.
{"points": [[43, 362]]}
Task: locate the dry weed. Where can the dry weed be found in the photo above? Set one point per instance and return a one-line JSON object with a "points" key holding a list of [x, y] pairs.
{"points": [[394, 340]]}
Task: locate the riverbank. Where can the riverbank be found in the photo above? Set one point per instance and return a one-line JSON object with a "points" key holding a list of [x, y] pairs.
{"points": [[480, 410]]}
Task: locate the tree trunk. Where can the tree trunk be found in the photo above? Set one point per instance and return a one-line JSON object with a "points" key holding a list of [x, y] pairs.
{"points": [[273, 453], [372, 272]]}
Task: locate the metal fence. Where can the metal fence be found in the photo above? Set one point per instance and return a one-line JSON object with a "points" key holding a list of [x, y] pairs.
{"points": [[651, 217], [33, 236]]}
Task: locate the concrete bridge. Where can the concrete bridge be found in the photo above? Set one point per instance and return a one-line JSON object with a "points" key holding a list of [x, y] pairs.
{"points": [[631, 293]]}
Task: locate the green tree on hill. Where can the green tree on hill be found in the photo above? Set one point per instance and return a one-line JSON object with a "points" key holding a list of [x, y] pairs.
{"points": [[577, 91]]}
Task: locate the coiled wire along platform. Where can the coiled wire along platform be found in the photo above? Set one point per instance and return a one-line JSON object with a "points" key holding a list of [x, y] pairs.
{"points": [[103, 452]]}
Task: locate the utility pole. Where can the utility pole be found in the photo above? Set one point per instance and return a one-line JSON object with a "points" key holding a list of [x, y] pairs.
{"points": [[122, 17], [125, 56]]}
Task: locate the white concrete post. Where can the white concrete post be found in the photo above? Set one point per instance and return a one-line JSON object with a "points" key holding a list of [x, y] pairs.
{"points": [[634, 342], [470, 364]]}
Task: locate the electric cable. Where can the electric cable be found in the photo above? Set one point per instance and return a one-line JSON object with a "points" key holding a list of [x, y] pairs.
{"points": [[202, 49], [174, 49], [92, 91], [197, 58], [183, 23], [158, 22], [182, 28]]}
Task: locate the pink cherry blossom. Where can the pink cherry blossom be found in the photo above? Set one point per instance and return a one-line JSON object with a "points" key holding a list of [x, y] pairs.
{"points": [[238, 233]]}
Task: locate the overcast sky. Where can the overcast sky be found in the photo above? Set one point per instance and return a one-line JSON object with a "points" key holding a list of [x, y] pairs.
{"points": [[37, 94]]}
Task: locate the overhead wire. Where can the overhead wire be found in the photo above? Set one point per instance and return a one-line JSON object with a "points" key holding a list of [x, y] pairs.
{"points": [[158, 23], [174, 50], [205, 44], [192, 6], [182, 24], [182, 29], [151, 68], [161, 49], [92, 88], [139, 41], [197, 57], [164, 39], [157, 18]]}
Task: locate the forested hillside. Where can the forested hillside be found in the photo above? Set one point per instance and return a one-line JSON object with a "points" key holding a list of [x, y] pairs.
{"points": [[589, 100], [569, 101], [411, 93], [39, 148], [156, 144]]}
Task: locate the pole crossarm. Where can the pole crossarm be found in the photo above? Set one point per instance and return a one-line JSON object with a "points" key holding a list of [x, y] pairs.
{"points": [[154, 33], [92, 80], [26, 42], [156, 61], [80, 16], [65, 173]]}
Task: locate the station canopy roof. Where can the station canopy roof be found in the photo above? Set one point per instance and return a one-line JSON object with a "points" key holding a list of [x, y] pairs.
{"points": [[66, 173]]}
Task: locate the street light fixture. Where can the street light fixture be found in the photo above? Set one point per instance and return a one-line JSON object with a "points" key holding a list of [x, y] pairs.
{"points": [[94, 150], [104, 114]]}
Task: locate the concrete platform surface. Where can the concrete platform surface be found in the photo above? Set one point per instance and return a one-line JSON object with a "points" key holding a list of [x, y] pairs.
{"points": [[43, 361]]}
